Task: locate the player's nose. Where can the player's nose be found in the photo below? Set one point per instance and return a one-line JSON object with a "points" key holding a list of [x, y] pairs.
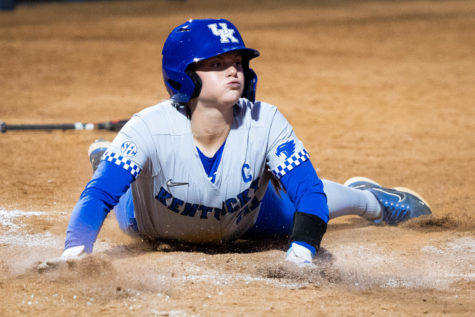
{"points": [[232, 70]]}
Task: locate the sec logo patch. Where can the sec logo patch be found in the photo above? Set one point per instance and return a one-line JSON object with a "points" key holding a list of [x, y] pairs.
{"points": [[129, 148]]}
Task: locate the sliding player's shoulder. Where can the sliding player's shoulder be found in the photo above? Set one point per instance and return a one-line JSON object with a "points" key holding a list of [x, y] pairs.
{"points": [[259, 113], [162, 118]]}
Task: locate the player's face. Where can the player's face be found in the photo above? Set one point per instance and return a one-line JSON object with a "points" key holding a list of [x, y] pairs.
{"points": [[222, 79]]}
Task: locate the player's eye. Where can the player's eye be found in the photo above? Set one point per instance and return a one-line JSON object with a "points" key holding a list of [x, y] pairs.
{"points": [[216, 64], [213, 64]]}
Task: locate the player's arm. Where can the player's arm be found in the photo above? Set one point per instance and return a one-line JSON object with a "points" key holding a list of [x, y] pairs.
{"points": [[102, 193], [289, 162], [305, 190], [120, 166]]}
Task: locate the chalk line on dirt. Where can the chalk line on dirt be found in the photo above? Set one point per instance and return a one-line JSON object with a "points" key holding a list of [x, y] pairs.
{"points": [[14, 235]]}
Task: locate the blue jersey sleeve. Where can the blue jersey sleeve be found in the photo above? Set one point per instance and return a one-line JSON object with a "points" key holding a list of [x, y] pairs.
{"points": [[102, 193], [305, 190]]}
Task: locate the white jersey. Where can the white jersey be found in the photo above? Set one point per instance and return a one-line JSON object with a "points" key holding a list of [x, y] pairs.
{"points": [[173, 196]]}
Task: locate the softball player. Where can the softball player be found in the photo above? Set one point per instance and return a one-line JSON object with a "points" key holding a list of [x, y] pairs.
{"points": [[197, 167]]}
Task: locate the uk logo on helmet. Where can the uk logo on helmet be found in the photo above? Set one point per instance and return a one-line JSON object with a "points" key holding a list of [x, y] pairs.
{"points": [[225, 34]]}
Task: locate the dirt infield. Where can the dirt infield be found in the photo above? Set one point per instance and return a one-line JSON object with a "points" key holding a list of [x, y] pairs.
{"points": [[384, 89]]}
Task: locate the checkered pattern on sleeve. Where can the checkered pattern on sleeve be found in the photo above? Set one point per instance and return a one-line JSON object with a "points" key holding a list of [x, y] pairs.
{"points": [[119, 160], [290, 163]]}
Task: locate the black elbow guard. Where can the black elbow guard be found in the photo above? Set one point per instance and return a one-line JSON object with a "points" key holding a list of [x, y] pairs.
{"points": [[308, 228]]}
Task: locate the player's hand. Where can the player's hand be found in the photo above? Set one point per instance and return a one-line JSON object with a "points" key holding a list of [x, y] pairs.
{"points": [[299, 255], [71, 254]]}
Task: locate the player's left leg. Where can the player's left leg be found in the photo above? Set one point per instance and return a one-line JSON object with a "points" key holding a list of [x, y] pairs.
{"points": [[390, 206], [345, 201], [277, 210], [275, 217]]}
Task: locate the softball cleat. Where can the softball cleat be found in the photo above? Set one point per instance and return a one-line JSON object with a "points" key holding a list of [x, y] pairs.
{"points": [[398, 204], [95, 152]]}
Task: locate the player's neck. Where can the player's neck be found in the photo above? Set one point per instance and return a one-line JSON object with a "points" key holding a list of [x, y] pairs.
{"points": [[210, 127]]}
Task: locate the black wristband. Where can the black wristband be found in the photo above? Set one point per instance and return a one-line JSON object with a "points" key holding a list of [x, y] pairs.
{"points": [[308, 228]]}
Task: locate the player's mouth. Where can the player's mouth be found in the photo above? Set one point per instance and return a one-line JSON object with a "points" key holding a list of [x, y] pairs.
{"points": [[235, 84]]}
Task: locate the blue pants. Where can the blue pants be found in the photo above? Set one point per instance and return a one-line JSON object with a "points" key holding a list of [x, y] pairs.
{"points": [[275, 217]]}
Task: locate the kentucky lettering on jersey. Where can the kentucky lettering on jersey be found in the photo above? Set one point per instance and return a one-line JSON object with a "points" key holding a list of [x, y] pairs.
{"points": [[245, 201]]}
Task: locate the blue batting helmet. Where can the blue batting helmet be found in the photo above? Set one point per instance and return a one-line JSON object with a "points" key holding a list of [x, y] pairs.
{"points": [[197, 40]]}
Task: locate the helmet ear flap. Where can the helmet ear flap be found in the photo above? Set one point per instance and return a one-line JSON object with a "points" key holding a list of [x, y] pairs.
{"points": [[250, 84], [196, 81], [179, 86]]}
